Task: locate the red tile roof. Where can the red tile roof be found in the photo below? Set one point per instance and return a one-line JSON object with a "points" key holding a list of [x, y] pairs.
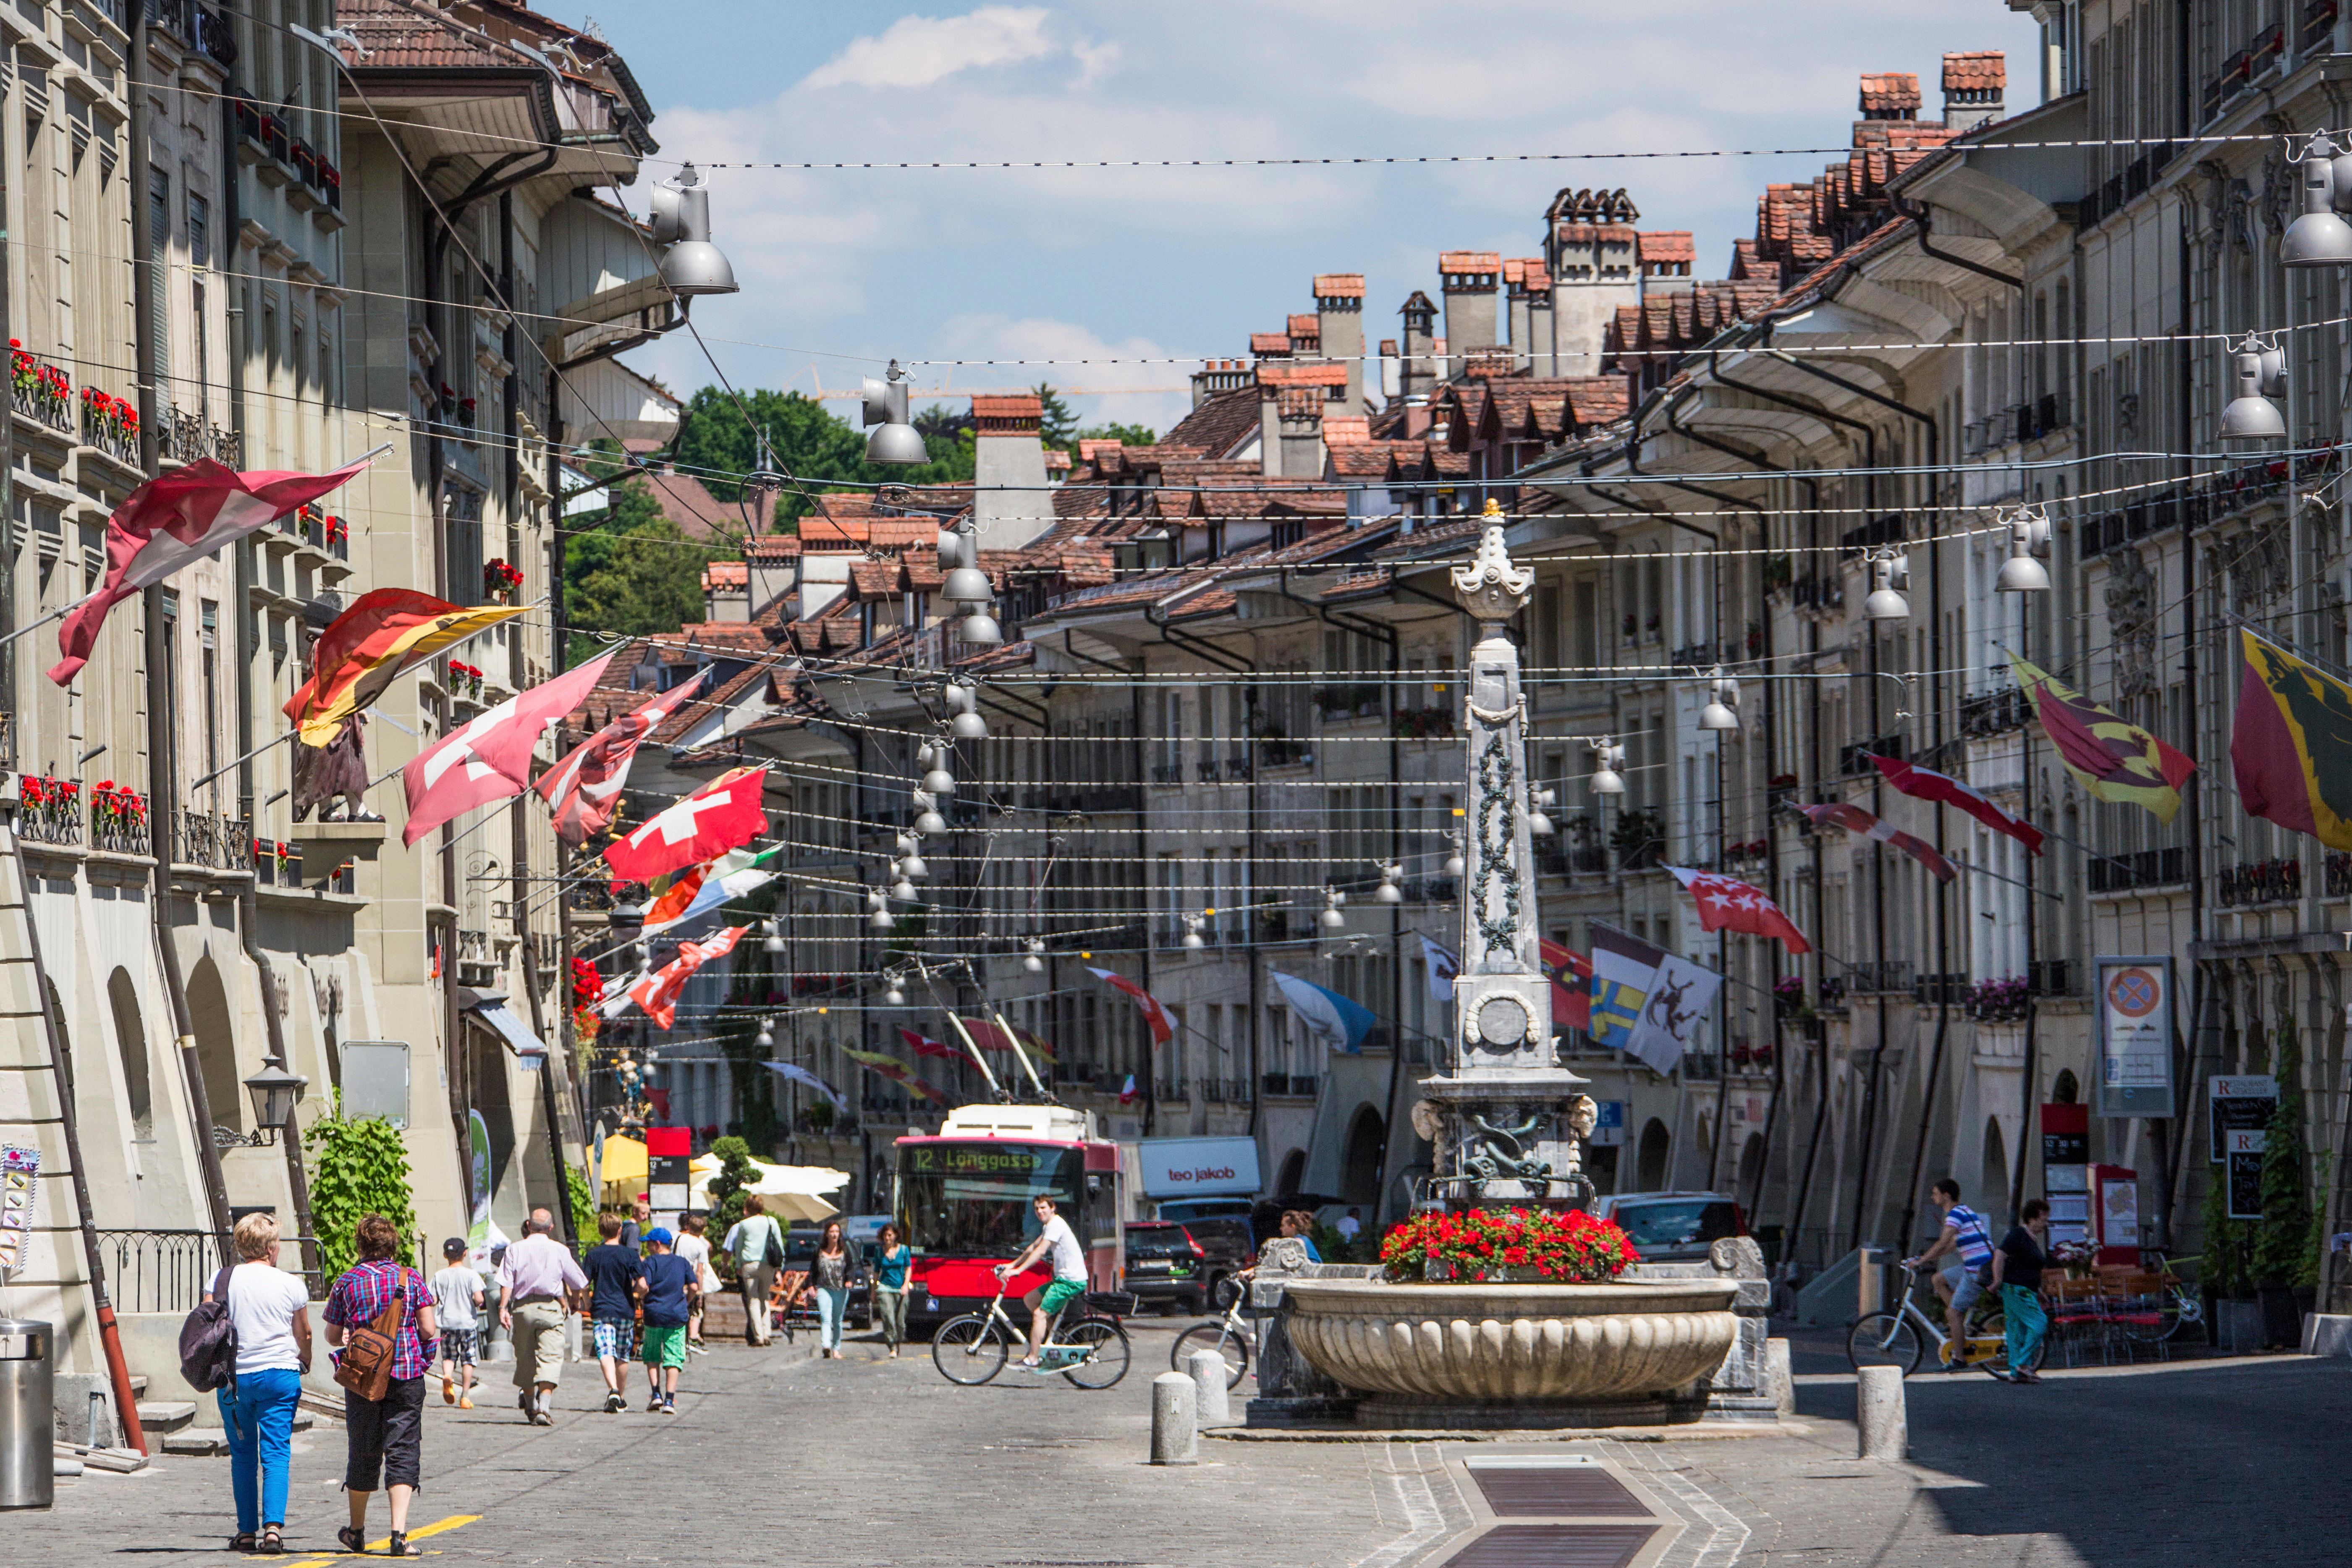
{"points": [[686, 501], [1339, 286], [1665, 245], [1983, 70], [1281, 375], [1889, 92], [723, 574], [1270, 346], [1340, 428], [1306, 324], [1222, 423], [1469, 261]]}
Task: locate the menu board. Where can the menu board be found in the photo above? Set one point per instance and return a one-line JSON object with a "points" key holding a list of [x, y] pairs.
{"points": [[20, 1175]]}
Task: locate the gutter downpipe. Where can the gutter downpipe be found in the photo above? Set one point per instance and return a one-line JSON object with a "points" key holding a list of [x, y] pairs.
{"points": [[1919, 215]]}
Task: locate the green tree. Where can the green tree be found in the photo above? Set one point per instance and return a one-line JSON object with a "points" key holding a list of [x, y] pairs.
{"points": [[2283, 1237], [727, 1188], [818, 447], [1060, 423], [634, 574], [1112, 430], [359, 1168]]}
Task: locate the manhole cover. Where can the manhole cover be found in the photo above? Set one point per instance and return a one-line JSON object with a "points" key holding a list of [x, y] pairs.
{"points": [[1555, 1546], [1555, 1491]]}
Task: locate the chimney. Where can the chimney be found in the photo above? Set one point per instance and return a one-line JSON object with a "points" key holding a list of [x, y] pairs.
{"points": [[1299, 412], [1540, 359], [1419, 368], [1391, 387], [1890, 95], [1589, 246], [1973, 88], [1218, 375], [1514, 292], [1008, 469], [1468, 278], [1340, 306]]}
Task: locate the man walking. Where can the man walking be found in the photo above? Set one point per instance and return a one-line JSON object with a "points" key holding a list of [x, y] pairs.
{"points": [[614, 1278], [1056, 1240], [667, 1287], [759, 1247], [537, 1277], [1965, 1247]]}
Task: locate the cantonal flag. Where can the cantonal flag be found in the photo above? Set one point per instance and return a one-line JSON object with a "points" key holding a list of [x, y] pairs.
{"points": [[729, 810], [924, 1046], [656, 994], [702, 889], [991, 1037], [488, 757], [2113, 759], [1572, 985], [1156, 1015], [895, 1070], [1855, 820], [178, 517], [1035, 1047], [1927, 783], [1728, 903], [2291, 746], [385, 633], [584, 788]]}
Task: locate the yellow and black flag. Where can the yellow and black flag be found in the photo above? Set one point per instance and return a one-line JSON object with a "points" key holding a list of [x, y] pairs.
{"points": [[2290, 748], [2113, 759]]}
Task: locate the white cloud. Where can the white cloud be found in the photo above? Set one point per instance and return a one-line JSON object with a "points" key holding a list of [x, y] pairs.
{"points": [[915, 51], [1104, 379]]}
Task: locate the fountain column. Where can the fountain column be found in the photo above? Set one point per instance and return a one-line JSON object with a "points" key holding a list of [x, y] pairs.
{"points": [[1505, 1116]]}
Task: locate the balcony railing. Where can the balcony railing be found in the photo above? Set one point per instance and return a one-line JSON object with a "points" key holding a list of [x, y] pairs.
{"points": [[205, 30], [1298, 1084], [1894, 974], [1819, 592], [2138, 869], [113, 428], [185, 437], [1985, 715], [1226, 1090], [2263, 883], [217, 843], [52, 810], [42, 391]]}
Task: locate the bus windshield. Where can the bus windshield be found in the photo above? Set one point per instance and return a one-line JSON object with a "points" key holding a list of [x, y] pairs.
{"points": [[975, 1199]]}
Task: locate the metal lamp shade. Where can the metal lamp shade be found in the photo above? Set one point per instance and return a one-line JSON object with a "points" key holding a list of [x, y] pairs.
{"points": [[1033, 965], [1604, 781], [880, 920], [1539, 825], [1192, 939], [930, 822], [2316, 239], [2251, 419], [900, 444], [904, 893], [981, 630], [895, 997], [276, 1092], [967, 585], [696, 267], [2021, 574], [1333, 919], [968, 726], [1886, 605], [940, 782], [1715, 716], [913, 870]]}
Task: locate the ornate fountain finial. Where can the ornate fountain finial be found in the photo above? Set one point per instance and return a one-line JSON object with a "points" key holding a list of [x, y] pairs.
{"points": [[1490, 588]]}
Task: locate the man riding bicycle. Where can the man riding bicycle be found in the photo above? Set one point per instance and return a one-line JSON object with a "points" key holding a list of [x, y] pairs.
{"points": [[1055, 1239], [1964, 1247]]}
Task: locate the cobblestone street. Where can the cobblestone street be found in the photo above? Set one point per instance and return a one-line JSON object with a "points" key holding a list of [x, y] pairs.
{"points": [[775, 1458]]}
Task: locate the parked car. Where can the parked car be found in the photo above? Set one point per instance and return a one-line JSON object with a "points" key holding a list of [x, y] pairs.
{"points": [[1182, 1210], [1672, 1228], [1167, 1268], [800, 1253], [1228, 1247]]}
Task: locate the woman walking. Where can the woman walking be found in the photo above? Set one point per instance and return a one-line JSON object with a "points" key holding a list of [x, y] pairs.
{"points": [[2017, 1265], [829, 1273], [386, 1434], [271, 1311], [892, 1257]]}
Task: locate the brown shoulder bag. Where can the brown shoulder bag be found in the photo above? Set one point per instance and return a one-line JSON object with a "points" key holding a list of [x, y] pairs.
{"points": [[368, 1349]]}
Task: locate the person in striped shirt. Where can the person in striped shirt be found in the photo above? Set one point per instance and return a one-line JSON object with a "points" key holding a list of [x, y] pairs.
{"points": [[1964, 1249]]}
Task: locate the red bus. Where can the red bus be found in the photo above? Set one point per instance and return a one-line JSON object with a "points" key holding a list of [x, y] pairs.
{"points": [[965, 1201]]}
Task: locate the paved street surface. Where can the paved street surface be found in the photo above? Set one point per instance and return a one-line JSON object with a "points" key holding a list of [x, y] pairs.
{"points": [[775, 1458]]}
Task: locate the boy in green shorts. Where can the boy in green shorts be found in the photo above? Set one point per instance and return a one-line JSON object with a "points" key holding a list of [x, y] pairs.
{"points": [[1057, 1241], [667, 1291]]}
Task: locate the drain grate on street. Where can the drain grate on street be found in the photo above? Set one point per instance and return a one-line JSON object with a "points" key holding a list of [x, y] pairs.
{"points": [[1517, 1489], [1555, 1546]]}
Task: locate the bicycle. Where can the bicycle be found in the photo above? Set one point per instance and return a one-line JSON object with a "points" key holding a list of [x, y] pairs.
{"points": [[1230, 1339], [1899, 1338], [2178, 1306], [1091, 1352]]}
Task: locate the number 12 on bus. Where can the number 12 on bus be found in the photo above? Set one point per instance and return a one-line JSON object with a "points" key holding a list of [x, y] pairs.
{"points": [[966, 1202]]}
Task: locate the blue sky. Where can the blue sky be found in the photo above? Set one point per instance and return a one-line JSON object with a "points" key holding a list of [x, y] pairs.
{"points": [[841, 269]]}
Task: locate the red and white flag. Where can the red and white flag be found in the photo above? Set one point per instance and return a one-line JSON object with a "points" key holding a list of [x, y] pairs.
{"points": [[1728, 902], [927, 1047], [1925, 783], [586, 785], [729, 811], [656, 994], [1128, 1095], [178, 517], [1855, 820], [1162, 1029], [488, 757]]}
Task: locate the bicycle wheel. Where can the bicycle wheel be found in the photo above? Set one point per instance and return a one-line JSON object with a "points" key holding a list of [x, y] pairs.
{"points": [[2150, 1319], [2187, 1311], [1883, 1339], [1218, 1338], [969, 1349], [1102, 1348]]}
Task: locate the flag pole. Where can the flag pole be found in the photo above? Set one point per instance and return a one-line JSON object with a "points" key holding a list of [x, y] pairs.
{"points": [[57, 615]]}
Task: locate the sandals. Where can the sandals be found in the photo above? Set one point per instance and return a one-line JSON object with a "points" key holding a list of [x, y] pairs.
{"points": [[398, 1546], [243, 1541], [349, 1539], [273, 1542]]}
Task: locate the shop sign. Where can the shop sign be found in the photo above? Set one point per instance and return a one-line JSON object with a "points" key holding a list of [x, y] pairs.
{"points": [[2239, 1104], [2245, 1173]]}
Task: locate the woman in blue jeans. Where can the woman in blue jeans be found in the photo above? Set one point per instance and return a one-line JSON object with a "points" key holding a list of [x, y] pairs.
{"points": [[2017, 1265], [271, 1311], [829, 1277]]}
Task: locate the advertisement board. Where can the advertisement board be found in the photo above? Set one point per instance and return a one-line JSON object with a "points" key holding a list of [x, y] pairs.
{"points": [[2243, 1103], [1193, 1167], [2243, 1150], [2134, 996]]}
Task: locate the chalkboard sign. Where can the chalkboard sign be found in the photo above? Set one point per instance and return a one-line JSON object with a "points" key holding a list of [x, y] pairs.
{"points": [[2240, 1104], [2245, 1173]]}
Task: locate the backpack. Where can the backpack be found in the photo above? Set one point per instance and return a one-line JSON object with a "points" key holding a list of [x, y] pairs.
{"points": [[366, 1366], [208, 1341]]}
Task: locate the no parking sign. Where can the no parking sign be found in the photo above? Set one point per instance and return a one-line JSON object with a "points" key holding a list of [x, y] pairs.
{"points": [[2135, 1036]]}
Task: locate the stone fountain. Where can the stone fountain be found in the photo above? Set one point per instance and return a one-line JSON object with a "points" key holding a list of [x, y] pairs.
{"points": [[1507, 1124]]}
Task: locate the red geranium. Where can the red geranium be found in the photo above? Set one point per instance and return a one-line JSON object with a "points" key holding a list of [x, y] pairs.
{"points": [[1569, 1246]]}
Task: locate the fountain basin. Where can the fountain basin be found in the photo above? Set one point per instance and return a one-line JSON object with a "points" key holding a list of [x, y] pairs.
{"points": [[1515, 1354]]}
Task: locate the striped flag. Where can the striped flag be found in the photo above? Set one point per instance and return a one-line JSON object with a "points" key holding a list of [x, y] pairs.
{"points": [[698, 890], [386, 632], [895, 1070], [1154, 1014], [1927, 783], [1571, 985], [656, 994], [584, 788], [1855, 820], [925, 1046], [177, 519]]}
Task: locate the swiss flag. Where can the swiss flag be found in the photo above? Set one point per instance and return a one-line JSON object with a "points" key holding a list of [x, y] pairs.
{"points": [[1726, 902], [1927, 783], [488, 758], [1162, 1029], [717, 817], [585, 785]]}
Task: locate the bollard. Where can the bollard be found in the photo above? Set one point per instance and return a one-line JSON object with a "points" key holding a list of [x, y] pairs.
{"points": [[1778, 1376], [1878, 1406], [1209, 1406], [1175, 1434], [28, 1414]]}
